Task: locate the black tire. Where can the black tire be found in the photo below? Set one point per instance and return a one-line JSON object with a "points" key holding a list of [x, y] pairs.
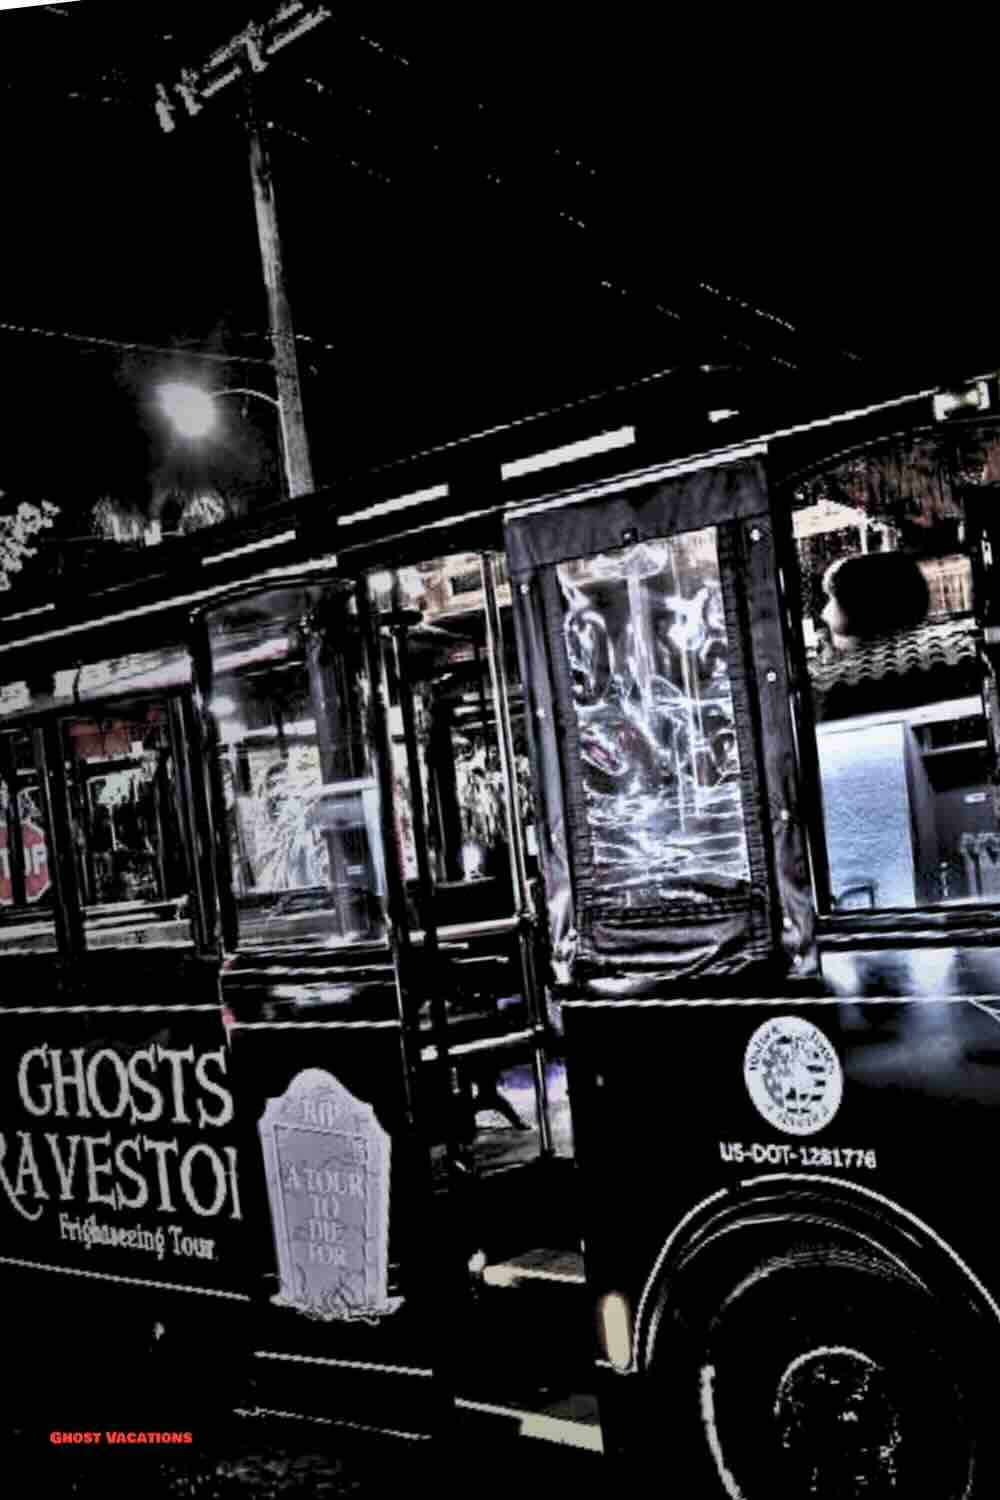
{"points": [[802, 1342]]}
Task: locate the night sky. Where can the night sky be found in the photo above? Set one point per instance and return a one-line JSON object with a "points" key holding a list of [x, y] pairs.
{"points": [[484, 214]]}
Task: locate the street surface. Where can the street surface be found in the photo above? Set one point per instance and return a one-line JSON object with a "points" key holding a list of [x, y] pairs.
{"points": [[291, 1461]]}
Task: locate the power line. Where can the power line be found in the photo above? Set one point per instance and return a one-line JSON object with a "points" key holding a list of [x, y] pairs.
{"points": [[569, 157], [571, 220], [358, 166], [252, 49], [257, 335], [130, 346]]}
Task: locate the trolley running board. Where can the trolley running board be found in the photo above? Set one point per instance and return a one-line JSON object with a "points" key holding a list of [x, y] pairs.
{"points": [[563, 1267], [571, 1423]]}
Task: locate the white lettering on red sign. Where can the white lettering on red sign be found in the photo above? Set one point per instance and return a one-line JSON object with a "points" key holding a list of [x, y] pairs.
{"points": [[36, 864]]}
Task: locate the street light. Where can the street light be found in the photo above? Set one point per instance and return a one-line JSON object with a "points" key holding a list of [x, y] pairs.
{"points": [[192, 412]]}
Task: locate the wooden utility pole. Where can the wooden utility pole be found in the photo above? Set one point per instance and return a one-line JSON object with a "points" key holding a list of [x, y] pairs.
{"points": [[234, 63], [294, 441]]}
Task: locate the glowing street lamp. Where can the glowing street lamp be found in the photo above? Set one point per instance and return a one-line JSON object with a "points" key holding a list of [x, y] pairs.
{"points": [[191, 410], [192, 413]]}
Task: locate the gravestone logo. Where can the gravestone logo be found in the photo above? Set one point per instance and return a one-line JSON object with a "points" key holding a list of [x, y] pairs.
{"points": [[793, 1075], [326, 1164]]}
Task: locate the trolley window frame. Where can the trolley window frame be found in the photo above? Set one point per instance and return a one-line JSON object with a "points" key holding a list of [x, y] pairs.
{"points": [[44, 720], [924, 924], [731, 492]]}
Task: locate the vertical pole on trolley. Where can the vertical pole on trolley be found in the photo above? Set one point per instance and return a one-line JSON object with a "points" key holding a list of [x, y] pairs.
{"points": [[50, 760], [399, 623], [515, 843], [444, 1363], [399, 932], [209, 792], [294, 441], [484, 708], [329, 712], [181, 750], [15, 838]]}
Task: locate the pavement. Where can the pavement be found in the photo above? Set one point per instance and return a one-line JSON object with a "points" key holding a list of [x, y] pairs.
{"points": [[290, 1459], [214, 1468]]}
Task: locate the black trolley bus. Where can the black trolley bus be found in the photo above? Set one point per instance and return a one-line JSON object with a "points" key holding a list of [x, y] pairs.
{"points": [[515, 940]]}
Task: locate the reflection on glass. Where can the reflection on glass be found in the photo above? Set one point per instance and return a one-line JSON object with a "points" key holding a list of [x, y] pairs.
{"points": [[479, 787], [902, 736], [26, 895], [124, 802], [291, 701], [646, 640], [458, 747]]}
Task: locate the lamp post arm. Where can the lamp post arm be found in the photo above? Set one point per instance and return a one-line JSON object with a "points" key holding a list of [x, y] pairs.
{"points": [[240, 390]]}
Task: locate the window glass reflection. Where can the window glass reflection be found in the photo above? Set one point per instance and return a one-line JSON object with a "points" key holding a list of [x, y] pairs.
{"points": [[291, 702], [26, 892], [452, 695], [647, 644], [124, 799]]}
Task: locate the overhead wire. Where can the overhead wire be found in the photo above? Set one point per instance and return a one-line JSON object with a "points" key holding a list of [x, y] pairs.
{"points": [[495, 179], [393, 56], [180, 350], [566, 214], [573, 221], [708, 288]]}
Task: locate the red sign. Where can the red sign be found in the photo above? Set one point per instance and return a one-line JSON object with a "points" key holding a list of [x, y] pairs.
{"points": [[36, 864]]}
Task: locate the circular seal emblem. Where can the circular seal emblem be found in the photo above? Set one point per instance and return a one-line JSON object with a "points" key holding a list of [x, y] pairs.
{"points": [[793, 1075]]}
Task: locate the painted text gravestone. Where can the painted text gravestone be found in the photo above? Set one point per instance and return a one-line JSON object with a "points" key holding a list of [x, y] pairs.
{"points": [[326, 1162]]}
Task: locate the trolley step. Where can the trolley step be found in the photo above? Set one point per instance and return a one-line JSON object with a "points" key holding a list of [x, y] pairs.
{"points": [[571, 1422], [554, 1267]]}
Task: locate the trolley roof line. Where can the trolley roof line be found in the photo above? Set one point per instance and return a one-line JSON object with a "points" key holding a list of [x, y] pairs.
{"points": [[386, 510]]}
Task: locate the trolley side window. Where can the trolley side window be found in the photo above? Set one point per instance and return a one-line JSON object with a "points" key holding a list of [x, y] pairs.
{"points": [[646, 634], [450, 687], [27, 921], [646, 610], [895, 674], [125, 799], [296, 779]]}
